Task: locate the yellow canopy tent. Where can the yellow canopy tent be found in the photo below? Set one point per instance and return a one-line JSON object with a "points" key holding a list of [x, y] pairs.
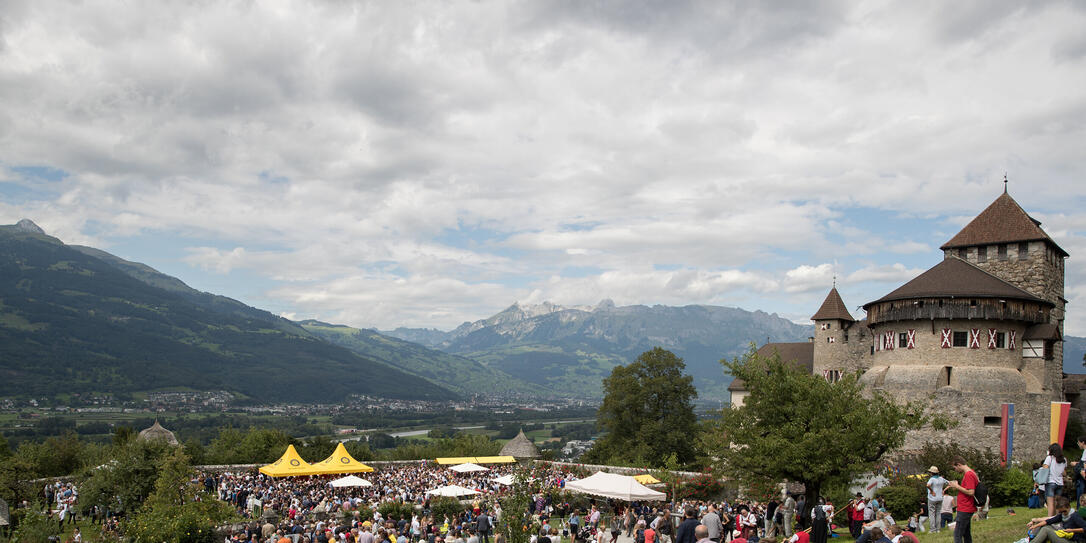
{"points": [[494, 459], [476, 460], [289, 464], [340, 461], [646, 479]]}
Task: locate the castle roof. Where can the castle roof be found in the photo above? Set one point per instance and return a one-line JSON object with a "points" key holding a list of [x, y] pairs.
{"points": [[156, 431], [520, 447], [801, 354], [833, 308], [956, 278], [1004, 221]]}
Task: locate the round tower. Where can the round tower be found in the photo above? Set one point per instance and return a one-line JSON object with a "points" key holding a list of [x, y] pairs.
{"points": [[839, 344]]}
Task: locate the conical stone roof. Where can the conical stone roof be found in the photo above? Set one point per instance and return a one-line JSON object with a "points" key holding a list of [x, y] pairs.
{"points": [[520, 447], [156, 431]]}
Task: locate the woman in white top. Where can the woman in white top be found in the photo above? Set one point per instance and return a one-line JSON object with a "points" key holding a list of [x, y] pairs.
{"points": [[1056, 463]]}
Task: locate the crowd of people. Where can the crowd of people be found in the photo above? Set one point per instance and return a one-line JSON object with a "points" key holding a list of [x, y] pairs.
{"points": [[312, 510]]}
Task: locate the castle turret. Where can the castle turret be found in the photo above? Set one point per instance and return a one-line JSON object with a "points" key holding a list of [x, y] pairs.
{"points": [[1009, 244], [839, 345]]}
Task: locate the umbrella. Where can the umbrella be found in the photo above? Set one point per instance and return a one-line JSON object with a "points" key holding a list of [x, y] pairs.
{"points": [[350, 480], [468, 467], [613, 485], [451, 490], [506, 480]]}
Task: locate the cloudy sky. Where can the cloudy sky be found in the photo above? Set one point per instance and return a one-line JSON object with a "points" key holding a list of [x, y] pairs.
{"points": [[425, 163]]}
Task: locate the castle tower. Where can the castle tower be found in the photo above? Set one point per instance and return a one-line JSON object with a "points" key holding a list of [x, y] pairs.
{"points": [[1009, 244], [839, 345]]}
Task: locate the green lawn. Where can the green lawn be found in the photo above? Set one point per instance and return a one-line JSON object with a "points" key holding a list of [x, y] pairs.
{"points": [[998, 528]]}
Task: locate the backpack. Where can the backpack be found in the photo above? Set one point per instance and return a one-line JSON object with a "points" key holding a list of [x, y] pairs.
{"points": [[980, 494]]}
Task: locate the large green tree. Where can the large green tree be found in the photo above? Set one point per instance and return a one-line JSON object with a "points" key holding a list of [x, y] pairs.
{"points": [[798, 427], [647, 413]]}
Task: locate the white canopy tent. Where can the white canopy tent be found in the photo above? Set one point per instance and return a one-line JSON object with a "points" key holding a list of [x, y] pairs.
{"points": [[468, 468], [350, 480], [506, 480], [613, 485], [451, 490]]}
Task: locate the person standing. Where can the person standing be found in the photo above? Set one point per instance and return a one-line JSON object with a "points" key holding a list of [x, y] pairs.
{"points": [[483, 524], [714, 527], [857, 516], [788, 511], [574, 525], [963, 531], [1056, 464], [685, 533], [935, 485], [771, 517]]}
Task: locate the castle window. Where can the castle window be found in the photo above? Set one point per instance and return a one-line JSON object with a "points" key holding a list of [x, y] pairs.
{"points": [[961, 339], [993, 422], [944, 376], [1002, 251], [846, 337], [963, 253], [833, 375], [972, 303], [903, 340], [1001, 340], [1023, 250], [982, 254]]}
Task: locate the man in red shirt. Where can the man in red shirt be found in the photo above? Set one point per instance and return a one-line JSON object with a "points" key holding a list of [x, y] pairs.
{"points": [[963, 532]]}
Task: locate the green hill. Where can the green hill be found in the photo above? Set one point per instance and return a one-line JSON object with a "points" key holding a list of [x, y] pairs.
{"points": [[78, 320], [458, 373]]}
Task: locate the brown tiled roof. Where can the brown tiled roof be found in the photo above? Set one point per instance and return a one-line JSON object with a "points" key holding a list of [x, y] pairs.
{"points": [[1002, 222], [1046, 330], [956, 278], [833, 308], [800, 354]]}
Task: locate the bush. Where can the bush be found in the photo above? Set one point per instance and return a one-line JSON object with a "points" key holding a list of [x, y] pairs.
{"points": [[984, 462], [702, 487], [903, 497], [34, 527], [1013, 490], [396, 510], [443, 506]]}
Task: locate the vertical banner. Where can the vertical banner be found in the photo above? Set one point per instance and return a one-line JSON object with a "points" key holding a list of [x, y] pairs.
{"points": [[1006, 434], [1058, 424]]}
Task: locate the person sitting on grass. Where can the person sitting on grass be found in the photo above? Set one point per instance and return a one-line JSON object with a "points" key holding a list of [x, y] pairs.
{"points": [[1065, 520]]}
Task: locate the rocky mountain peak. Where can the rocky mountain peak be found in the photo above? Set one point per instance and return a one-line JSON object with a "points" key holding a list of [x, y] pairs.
{"points": [[27, 225]]}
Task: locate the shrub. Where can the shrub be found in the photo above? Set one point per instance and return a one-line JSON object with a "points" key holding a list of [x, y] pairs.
{"points": [[1013, 490], [984, 462], [396, 510], [33, 526], [903, 497], [444, 505]]}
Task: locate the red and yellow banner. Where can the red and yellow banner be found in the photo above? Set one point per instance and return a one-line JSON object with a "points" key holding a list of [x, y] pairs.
{"points": [[1058, 423]]}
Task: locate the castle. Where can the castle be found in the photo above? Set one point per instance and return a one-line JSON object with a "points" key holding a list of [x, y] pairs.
{"points": [[981, 328]]}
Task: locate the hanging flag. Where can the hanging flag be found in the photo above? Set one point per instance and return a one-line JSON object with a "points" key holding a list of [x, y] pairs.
{"points": [[1058, 423], [1006, 435]]}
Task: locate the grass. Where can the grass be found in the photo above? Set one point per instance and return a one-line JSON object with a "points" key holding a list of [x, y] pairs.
{"points": [[999, 527]]}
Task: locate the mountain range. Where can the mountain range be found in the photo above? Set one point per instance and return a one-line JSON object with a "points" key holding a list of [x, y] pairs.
{"points": [[572, 349], [77, 319]]}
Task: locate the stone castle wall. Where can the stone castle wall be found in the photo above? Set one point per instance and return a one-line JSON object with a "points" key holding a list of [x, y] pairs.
{"points": [[978, 418]]}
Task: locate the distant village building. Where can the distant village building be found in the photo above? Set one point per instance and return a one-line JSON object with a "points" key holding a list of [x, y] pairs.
{"points": [[982, 328], [155, 432], [521, 448]]}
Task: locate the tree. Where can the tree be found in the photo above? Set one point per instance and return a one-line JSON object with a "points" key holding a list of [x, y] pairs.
{"points": [[798, 427], [647, 412]]}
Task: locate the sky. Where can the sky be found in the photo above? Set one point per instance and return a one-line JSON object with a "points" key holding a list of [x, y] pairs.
{"points": [[422, 164]]}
